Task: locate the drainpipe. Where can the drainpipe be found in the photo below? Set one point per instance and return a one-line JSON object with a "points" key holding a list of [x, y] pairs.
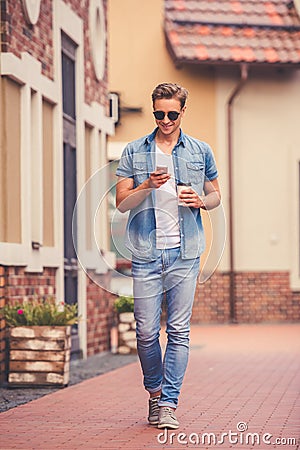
{"points": [[235, 92]]}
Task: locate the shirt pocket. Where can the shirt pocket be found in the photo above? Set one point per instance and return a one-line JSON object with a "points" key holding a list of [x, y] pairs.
{"points": [[195, 172], [140, 172]]}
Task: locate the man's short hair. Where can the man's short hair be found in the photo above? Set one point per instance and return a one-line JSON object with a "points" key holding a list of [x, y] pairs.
{"points": [[170, 90]]}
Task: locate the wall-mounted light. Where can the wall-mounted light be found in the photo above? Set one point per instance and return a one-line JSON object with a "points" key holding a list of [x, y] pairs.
{"points": [[36, 245], [114, 106]]}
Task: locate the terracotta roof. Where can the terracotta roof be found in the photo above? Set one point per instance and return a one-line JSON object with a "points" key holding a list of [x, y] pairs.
{"points": [[236, 31]]}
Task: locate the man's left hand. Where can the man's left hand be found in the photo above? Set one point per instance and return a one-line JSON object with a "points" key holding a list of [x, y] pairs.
{"points": [[191, 198]]}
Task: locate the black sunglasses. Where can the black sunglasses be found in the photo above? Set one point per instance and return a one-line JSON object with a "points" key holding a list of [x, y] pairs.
{"points": [[160, 115]]}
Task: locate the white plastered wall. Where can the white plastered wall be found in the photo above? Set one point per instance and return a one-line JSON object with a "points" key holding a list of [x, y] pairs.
{"points": [[266, 148]]}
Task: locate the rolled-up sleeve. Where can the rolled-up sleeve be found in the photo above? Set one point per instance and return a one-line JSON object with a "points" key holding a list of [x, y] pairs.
{"points": [[125, 167], [211, 171]]}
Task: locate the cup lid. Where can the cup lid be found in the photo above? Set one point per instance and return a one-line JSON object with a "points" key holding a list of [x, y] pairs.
{"points": [[184, 184]]}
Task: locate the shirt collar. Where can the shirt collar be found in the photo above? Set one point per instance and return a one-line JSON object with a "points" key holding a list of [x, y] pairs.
{"points": [[181, 140]]}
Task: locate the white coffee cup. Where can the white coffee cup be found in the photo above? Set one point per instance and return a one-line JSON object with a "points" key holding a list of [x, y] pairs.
{"points": [[181, 187]]}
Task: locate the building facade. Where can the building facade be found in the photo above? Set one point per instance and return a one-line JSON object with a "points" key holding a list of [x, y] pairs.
{"points": [[240, 63], [54, 125]]}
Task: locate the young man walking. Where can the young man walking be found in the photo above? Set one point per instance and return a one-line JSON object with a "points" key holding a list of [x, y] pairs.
{"points": [[164, 179]]}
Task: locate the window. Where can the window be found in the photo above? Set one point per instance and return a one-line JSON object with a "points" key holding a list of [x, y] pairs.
{"points": [[48, 175], [87, 191], [10, 163]]}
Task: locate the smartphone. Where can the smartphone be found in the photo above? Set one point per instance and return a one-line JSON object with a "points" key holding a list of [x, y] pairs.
{"points": [[162, 169]]}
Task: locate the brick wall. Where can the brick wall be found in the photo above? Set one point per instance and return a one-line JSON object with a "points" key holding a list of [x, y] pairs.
{"points": [[260, 297], [266, 296], [23, 285], [2, 325], [18, 36], [99, 314], [211, 303]]}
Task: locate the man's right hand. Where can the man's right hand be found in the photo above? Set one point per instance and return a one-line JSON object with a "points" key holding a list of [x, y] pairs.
{"points": [[157, 179]]}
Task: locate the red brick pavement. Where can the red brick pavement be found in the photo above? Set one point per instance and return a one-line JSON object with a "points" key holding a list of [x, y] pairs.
{"points": [[238, 376]]}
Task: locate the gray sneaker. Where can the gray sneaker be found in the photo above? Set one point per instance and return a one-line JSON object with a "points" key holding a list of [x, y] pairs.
{"points": [[167, 418], [153, 410]]}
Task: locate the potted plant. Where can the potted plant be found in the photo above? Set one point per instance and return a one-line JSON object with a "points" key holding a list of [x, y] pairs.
{"points": [[39, 342], [124, 304], [124, 307]]}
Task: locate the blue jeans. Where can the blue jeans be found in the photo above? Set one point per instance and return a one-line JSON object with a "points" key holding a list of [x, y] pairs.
{"points": [[177, 277]]}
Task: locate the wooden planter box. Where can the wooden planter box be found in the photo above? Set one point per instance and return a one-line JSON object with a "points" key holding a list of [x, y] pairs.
{"points": [[39, 356]]}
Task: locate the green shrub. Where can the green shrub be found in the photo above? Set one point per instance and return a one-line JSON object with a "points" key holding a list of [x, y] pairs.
{"points": [[40, 312], [124, 304]]}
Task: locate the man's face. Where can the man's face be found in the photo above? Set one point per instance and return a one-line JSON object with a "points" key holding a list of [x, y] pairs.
{"points": [[168, 125]]}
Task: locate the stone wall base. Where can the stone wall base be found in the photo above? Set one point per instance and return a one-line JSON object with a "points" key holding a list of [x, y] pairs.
{"points": [[126, 333]]}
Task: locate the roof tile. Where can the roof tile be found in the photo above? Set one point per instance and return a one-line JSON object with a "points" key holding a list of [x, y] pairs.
{"points": [[271, 55], [204, 30], [236, 7], [249, 32], [254, 31], [201, 52], [226, 31]]}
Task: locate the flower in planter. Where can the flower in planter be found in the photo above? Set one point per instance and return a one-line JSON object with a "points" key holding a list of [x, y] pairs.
{"points": [[40, 312]]}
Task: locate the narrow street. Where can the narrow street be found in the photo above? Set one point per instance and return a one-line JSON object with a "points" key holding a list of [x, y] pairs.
{"points": [[241, 391]]}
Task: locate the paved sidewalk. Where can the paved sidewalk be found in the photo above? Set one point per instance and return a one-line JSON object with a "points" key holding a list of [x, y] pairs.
{"points": [[239, 377], [80, 370]]}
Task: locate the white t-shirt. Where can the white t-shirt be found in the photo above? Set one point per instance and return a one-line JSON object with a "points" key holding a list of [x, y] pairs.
{"points": [[166, 209]]}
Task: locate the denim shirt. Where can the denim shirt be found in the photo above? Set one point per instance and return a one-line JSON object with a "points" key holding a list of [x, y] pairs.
{"points": [[193, 162]]}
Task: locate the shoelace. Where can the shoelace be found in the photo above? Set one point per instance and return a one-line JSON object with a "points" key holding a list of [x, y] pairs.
{"points": [[169, 412], [154, 405]]}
